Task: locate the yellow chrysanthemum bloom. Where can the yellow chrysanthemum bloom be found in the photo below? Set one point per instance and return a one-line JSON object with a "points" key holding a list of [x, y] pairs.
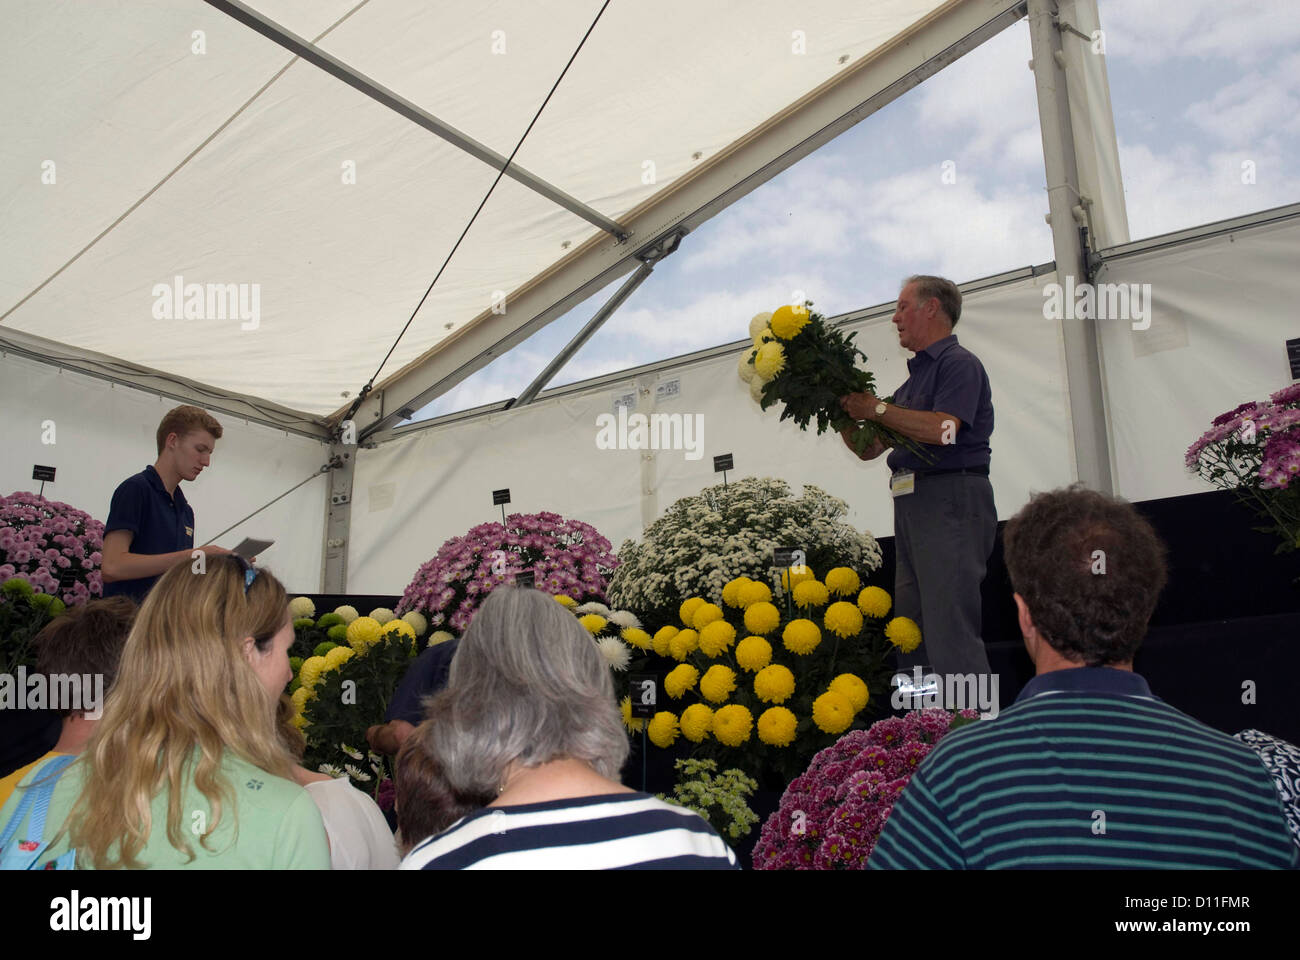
{"points": [[683, 644], [302, 607], [902, 633], [594, 623], [763, 336], [843, 619], [730, 591], [336, 658], [774, 684], [633, 724], [419, 623], [796, 575], [299, 721], [697, 722], [788, 321], [717, 638], [680, 679], [662, 639], [851, 687], [564, 600], [732, 724], [687, 610], [762, 618], [777, 726], [811, 593], [663, 729], [347, 612], [753, 654], [744, 367], [769, 361], [399, 627], [801, 636], [842, 581], [832, 712], [717, 683], [758, 323], [705, 614], [638, 638], [756, 591], [364, 633], [300, 698], [310, 671], [874, 602]]}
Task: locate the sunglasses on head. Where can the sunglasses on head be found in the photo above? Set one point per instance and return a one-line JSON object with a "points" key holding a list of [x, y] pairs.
{"points": [[250, 572]]}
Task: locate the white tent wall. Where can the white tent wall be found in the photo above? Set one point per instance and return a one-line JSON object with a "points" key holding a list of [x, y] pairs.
{"points": [[1223, 307], [546, 453], [104, 432]]}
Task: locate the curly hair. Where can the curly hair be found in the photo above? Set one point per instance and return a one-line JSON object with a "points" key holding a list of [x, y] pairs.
{"points": [[1090, 569]]}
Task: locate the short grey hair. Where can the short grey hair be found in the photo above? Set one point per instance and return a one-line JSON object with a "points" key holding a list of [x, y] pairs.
{"points": [[941, 289], [527, 685]]}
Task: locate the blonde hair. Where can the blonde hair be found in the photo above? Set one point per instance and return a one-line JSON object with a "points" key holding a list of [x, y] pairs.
{"points": [[184, 695], [184, 419]]}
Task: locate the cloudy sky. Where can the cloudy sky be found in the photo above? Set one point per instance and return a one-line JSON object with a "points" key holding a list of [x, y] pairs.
{"points": [[1197, 86]]}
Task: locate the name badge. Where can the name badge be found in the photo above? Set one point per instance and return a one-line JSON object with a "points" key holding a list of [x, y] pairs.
{"points": [[902, 483]]}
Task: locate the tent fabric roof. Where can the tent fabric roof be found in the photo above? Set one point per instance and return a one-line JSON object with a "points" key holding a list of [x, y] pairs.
{"points": [[227, 166]]}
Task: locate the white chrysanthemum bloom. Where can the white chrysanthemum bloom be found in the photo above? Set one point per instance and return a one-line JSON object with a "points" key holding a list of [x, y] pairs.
{"points": [[756, 389], [382, 614], [330, 770], [347, 612], [356, 773], [351, 751], [758, 324], [593, 607], [417, 621], [440, 636], [745, 368], [302, 607], [615, 651], [625, 619]]}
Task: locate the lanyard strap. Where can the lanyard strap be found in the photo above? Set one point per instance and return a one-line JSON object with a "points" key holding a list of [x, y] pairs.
{"points": [[36, 798]]}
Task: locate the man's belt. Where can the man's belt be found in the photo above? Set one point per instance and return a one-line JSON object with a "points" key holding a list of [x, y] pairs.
{"points": [[982, 471]]}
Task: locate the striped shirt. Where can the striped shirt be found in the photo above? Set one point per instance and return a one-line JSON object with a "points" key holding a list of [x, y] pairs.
{"points": [[1087, 770], [620, 831]]}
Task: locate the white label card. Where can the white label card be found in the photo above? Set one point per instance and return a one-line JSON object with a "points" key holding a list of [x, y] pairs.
{"points": [[902, 483]]}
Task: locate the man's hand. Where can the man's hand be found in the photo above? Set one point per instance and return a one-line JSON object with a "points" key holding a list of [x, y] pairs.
{"points": [[389, 737], [860, 406], [876, 448]]}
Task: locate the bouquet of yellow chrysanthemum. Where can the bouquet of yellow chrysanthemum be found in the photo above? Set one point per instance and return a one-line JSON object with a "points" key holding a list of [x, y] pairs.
{"points": [[800, 360], [769, 683], [342, 689]]}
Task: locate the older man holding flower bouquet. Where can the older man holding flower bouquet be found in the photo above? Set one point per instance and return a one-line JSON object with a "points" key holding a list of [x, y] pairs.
{"points": [[945, 520]]}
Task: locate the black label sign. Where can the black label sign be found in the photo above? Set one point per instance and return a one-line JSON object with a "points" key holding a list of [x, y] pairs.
{"points": [[723, 461], [42, 473], [500, 496], [1293, 356], [643, 689], [67, 578], [526, 578], [788, 557]]}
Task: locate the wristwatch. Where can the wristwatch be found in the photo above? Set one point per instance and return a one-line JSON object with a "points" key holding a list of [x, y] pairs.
{"points": [[880, 409]]}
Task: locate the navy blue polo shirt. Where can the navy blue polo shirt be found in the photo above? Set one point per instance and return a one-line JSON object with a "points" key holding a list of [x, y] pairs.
{"points": [[161, 522], [947, 377], [426, 675]]}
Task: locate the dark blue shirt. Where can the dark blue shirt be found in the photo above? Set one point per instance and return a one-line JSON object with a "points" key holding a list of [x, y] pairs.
{"points": [[161, 523], [426, 675], [947, 377]]}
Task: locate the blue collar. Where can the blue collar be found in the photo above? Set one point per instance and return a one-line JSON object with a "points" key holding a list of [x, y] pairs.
{"points": [[935, 350], [1124, 683], [156, 482]]}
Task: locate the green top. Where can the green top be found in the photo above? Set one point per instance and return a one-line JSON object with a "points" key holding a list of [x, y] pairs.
{"points": [[279, 826]]}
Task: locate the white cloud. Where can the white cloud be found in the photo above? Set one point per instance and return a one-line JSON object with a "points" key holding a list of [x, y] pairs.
{"points": [[1184, 187], [1255, 108], [1151, 32]]}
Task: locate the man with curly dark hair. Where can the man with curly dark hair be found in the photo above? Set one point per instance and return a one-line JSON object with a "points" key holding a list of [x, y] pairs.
{"points": [[1088, 768]]}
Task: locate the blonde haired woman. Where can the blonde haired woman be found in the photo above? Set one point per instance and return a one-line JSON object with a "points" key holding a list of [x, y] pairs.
{"points": [[186, 769]]}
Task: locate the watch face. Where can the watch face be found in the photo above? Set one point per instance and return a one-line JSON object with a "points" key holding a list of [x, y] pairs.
{"points": [[880, 409]]}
